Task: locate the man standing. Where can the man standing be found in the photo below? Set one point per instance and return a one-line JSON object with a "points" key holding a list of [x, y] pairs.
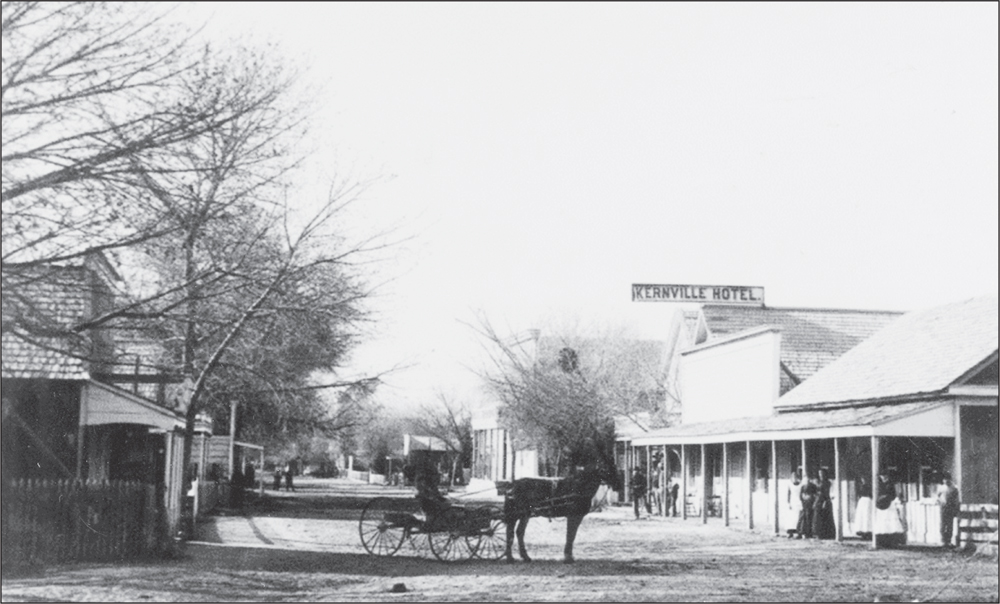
{"points": [[675, 493], [639, 490], [947, 497]]}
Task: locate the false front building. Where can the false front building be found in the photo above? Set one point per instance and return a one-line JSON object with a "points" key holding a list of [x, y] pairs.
{"points": [[915, 401]]}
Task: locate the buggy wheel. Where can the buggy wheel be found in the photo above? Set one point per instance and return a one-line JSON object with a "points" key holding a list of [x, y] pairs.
{"points": [[382, 529], [493, 539], [452, 541]]}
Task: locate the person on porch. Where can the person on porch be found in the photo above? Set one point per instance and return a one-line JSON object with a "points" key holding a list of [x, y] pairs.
{"points": [[863, 511], [947, 496], [890, 520]]}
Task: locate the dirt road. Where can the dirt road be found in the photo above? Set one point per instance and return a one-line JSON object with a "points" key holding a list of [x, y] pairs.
{"points": [[305, 547]]}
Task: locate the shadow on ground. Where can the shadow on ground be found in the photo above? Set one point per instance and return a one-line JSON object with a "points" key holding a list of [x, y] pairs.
{"points": [[244, 559]]}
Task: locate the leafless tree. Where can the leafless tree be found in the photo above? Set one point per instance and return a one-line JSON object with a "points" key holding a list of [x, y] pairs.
{"points": [[561, 392], [89, 89], [123, 137], [450, 421]]}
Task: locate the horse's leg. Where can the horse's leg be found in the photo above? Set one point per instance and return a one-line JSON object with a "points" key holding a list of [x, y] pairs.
{"points": [[523, 524], [572, 524], [510, 522]]}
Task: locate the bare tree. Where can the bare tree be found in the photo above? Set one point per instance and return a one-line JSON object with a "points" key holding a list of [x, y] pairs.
{"points": [[560, 393], [451, 422], [121, 136], [90, 92]]}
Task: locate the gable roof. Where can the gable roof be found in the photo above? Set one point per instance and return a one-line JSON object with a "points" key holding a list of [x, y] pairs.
{"points": [[811, 338], [923, 352]]}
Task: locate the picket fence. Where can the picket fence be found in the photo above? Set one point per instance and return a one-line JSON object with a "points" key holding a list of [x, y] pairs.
{"points": [[56, 521]]}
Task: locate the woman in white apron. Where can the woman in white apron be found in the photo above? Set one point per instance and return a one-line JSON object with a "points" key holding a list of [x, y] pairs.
{"points": [[890, 523], [863, 513]]}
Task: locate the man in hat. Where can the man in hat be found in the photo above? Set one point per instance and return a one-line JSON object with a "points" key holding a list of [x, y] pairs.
{"points": [[947, 496]]}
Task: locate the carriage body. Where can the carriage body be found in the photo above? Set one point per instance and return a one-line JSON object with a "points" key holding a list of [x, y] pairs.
{"points": [[455, 534]]}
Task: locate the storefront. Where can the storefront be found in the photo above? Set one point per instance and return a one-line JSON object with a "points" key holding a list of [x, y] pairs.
{"points": [[915, 401]]}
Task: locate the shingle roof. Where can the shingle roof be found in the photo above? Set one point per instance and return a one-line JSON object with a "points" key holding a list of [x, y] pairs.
{"points": [[869, 415], [22, 359], [811, 338], [921, 352], [37, 315]]}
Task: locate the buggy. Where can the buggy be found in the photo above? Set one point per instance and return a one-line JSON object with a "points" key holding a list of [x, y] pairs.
{"points": [[457, 533]]}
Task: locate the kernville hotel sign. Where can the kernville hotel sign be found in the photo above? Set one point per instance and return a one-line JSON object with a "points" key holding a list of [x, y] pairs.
{"points": [[699, 294]]}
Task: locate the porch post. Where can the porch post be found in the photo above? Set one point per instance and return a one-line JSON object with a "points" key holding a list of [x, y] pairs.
{"points": [[169, 468], [875, 467], [261, 471], [649, 470], [749, 487], [684, 482], [777, 497], [840, 500], [81, 431], [629, 455], [704, 485], [956, 474], [805, 465], [664, 475], [725, 483]]}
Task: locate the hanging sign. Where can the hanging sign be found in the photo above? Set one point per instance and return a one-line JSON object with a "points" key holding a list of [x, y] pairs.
{"points": [[743, 295]]}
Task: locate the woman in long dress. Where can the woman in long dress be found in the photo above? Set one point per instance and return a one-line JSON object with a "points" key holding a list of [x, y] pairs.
{"points": [[794, 496], [863, 512], [808, 496], [889, 528], [823, 522]]}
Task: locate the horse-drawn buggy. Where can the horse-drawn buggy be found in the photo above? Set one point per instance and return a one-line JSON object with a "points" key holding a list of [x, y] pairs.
{"points": [[487, 531], [456, 533]]}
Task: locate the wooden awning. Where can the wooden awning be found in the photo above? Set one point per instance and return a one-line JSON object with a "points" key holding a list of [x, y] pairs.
{"points": [[103, 404], [926, 418]]}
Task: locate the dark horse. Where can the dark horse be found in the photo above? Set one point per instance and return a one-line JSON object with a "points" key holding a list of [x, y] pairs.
{"points": [[568, 498]]}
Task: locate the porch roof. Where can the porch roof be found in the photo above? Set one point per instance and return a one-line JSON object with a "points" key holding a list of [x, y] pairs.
{"points": [[919, 418], [104, 404]]}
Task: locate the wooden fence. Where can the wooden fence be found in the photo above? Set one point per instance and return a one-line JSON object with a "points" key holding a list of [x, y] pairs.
{"points": [[977, 527], [55, 521]]}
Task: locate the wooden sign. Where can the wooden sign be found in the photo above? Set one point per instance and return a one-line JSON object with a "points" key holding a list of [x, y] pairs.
{"points": [[742, 295]]}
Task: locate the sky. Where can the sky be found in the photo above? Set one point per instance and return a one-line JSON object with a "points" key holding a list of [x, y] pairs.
{"points": [[538, 159]]}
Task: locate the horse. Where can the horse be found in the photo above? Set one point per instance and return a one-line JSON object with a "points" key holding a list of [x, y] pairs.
{"points": [[568, 498]]}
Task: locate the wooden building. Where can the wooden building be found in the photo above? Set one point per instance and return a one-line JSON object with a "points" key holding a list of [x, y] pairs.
{"points": [[915, 400], [69, 414]]}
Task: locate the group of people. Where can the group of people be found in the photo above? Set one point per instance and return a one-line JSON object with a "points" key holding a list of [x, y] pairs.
{"points": [[286, 473], [811, 502], [882, 515], [664, 500]]}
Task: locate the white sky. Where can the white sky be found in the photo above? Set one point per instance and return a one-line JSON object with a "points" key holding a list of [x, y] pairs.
{"points": [[545, 157]]}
